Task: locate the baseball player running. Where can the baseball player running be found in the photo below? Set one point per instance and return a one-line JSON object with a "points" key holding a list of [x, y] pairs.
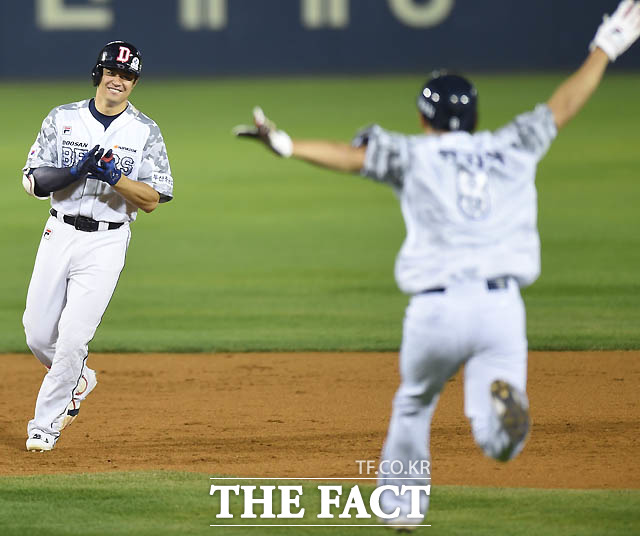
{"points": [[469, 204], [99, 161]]}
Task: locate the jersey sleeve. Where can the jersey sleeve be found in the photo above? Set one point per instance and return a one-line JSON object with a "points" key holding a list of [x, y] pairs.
{"points": [[531, 132], [155, 169], [44, 151], [387, 156]]}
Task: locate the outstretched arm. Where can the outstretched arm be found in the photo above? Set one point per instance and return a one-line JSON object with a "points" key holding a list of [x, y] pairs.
{"points": [[614, 36], [324, 153], [575, 91], [329, 154]]}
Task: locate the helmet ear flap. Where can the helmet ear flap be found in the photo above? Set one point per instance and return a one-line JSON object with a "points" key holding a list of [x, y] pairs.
{"points": [[96, 75]]}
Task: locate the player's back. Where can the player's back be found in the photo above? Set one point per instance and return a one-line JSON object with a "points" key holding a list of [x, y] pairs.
{"points": [[469, 201]]}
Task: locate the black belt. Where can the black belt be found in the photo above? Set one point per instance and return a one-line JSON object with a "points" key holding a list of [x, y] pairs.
{"points": [[492, 284], [83, 223]]}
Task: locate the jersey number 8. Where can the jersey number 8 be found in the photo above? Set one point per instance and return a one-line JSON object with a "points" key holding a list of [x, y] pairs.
{"points": [[473, 194]]}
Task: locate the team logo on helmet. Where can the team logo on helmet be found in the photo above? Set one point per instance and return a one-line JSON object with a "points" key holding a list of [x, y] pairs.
{"points": [[123, 55], [117, 55]]}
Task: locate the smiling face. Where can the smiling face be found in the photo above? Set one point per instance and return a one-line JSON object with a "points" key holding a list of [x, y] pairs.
{"points": [[114, 89]]}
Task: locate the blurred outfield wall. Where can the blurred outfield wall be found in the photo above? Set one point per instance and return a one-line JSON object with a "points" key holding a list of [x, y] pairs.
{"points": [[42, 38]]}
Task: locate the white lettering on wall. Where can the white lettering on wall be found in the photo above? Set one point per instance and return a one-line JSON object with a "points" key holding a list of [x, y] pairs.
{"points": [[202, 14], [325, 14], [55, 15], [420, 14], [196, 15]]}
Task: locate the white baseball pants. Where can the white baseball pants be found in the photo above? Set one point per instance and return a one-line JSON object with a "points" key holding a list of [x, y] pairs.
{"points": [[468, 324], [74, 277]]}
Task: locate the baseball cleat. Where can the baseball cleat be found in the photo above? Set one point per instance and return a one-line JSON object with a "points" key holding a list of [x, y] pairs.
{"points": [[86, 384], [39, 441], [512, 410], [70, 413]]}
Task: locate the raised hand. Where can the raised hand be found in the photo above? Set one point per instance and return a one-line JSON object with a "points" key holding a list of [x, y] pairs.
{"points": [[265, 130]]}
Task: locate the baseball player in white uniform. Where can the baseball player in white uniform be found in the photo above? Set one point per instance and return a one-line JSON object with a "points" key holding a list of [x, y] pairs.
{"points": [[98, 161], [470, 209]]}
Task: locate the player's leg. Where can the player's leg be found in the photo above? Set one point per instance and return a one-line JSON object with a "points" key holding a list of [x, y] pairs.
{"points": [[85, 386], [87, 383], [429, 356], [92, 281], [495, 377], [47, 291]]}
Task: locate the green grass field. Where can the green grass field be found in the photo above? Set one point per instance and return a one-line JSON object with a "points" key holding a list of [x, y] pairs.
{"points": [[256, 253], [166, 503]]}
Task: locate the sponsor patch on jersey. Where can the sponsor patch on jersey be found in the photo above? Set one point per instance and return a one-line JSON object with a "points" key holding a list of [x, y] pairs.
{"points": [[123, 148], [73, 143], [160, 179], [66, 131], [47, 233]]}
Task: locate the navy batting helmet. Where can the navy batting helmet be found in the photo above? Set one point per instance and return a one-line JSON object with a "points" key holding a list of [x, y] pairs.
{"points": [[449, 102], [117, 55]]}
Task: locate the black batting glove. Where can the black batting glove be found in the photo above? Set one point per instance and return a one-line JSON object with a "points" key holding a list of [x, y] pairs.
{"points": [[86, 164], [106, 170]]}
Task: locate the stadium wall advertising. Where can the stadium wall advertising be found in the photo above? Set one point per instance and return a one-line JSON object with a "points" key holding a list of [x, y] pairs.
{"points": [[226, 37]]}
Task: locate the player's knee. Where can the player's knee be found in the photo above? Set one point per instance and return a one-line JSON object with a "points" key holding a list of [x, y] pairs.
{"points": [[413, 398], [407, 406], [39, 339], [34, 341], [73, 342], [67, 367]]}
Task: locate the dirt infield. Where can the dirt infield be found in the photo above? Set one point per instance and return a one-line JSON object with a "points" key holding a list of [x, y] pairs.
{"points": [[315, 414]]}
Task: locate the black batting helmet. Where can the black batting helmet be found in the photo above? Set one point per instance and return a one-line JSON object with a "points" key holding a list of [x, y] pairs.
{"points": [[449, 102], [117, 55]]}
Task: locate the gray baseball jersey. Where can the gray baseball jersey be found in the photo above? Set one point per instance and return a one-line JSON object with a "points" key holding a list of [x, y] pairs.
{"points": [[469, 200], [469, 203]]}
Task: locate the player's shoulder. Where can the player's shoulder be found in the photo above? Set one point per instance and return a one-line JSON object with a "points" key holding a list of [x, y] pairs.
{"points": [[531, 131], [142, 118], [540, 112], [373, 133], [541, 116], [70, 107]]}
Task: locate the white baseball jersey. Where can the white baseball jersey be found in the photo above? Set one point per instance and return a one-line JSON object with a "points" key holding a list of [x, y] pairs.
{"points": [[76, 271], [469, 200], [138, 148]]}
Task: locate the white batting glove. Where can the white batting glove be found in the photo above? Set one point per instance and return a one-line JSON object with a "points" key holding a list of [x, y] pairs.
{"points": [[618, 31], [265, 130]]}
